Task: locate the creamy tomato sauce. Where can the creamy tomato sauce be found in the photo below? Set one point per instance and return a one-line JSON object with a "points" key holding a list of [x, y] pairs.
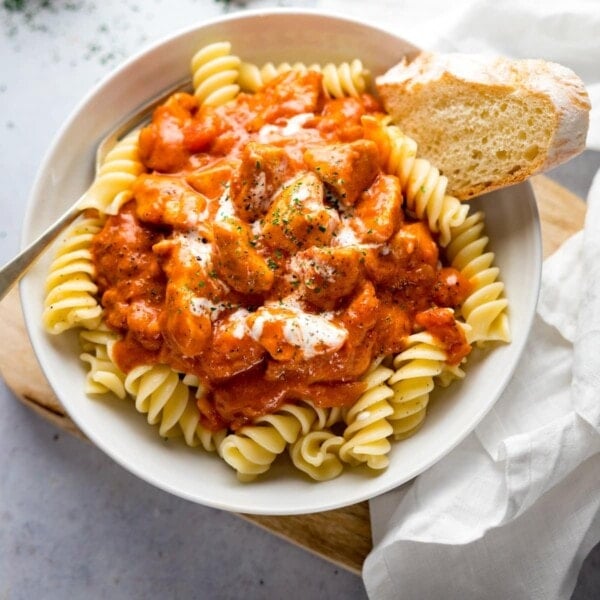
{"points": [[266, 252]]}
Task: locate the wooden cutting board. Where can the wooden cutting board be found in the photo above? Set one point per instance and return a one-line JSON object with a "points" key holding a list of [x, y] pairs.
{"points": [[342, 536]]}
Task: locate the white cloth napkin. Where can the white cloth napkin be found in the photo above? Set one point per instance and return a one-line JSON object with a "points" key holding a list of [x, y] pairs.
{"points": [[513, 511]]}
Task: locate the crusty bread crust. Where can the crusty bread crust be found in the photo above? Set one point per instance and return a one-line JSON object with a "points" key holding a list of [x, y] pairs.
{"points": [[487, 122]]}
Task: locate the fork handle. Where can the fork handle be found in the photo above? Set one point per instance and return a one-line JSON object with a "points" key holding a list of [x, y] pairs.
{"points": [[12, 271]]}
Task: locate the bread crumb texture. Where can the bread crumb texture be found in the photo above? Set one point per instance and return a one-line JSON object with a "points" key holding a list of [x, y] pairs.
{"points": [[487, 122]]}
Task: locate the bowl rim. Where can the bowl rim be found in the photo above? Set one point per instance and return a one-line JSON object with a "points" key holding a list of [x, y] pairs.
{"points": [[32, 318]]}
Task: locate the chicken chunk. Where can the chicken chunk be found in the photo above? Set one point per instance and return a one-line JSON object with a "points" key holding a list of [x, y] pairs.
{"points": [[162, 143], [236, 261], [263, 170], [231, 352], [407, 264], [326, 275], [378, 212], [165, 200], [287, 95], [411, 249], [349, 168], [212, 181], [298, 217], [287, 333]]}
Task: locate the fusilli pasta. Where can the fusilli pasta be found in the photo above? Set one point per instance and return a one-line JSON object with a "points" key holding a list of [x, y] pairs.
{"points": [[368, 429], [103, 375], [346, 79], [70, 289], [215, 73], [413, 379], [316, 454], [154, 390], [160, 394], [417, 370], [485, 308], [112, 186], [252, 77], [252, 449], [193, 431]]}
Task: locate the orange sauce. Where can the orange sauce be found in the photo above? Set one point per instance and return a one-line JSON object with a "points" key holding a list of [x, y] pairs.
{"points": [[267, 253]]}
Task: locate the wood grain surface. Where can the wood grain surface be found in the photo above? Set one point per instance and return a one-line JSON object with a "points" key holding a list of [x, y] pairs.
{"points": [[342, 536]]}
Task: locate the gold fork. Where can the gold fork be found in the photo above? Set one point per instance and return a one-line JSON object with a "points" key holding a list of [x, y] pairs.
{"points": [[12, 271]]}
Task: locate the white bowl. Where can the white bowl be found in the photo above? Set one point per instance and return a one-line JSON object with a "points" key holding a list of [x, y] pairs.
{"points": [[115, 426]]}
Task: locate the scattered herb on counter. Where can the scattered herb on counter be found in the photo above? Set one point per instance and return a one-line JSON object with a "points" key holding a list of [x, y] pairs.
{"points": [[14, 5]]}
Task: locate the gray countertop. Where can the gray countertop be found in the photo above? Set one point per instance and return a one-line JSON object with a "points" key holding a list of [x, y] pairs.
{"points": [[72, 522]]}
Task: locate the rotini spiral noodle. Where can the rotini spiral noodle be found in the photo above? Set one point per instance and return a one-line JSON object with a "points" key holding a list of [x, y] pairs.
{"points": [[412, 381], [410, 400], [326, 417], [193, 431], [252, 449], [485, 308], [103, 374], [416, 371], [423, 187], [160, 394], [367, 427], [346, 79], [252, 77], [316, 454], [339, 81], [70, 290], [111, 188], [215, 73]]}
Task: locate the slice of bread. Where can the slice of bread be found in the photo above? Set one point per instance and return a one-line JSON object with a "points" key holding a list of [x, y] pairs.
{"points": [[487, 122]]}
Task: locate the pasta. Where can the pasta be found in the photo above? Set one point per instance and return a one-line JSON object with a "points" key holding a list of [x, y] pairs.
{"points": [[316, 453], [158, 393], [413, 379], [112, 187], [367, 422], [346, 79], [252, 450], [195, 434], [162, 396], [256, 308], [252, 77], [70, 300], [103, 375], [485, 309], [215, 73]]}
